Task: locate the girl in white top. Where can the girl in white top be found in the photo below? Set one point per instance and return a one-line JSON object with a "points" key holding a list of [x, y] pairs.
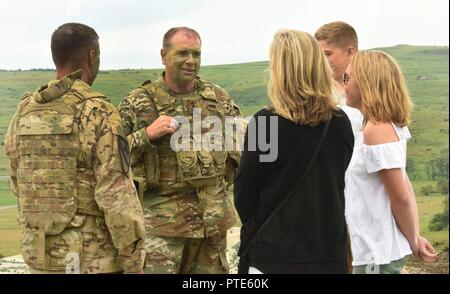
{"points": [[381, 209]]}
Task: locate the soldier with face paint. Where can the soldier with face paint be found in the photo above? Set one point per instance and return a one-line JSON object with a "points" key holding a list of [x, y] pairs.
{"points": [[186, 205], [69, 160]]}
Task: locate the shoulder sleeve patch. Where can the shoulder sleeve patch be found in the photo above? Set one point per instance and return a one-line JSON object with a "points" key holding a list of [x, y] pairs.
{"points": [[121, 143]]}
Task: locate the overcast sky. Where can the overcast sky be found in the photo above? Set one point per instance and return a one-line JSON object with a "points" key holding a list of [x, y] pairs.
{"points": [[233, 31]]}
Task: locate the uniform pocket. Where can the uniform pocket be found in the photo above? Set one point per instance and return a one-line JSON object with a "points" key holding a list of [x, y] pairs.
{"points": [[187, 161], [54, 253], [207, 163], [213, 109], [220, 158]]}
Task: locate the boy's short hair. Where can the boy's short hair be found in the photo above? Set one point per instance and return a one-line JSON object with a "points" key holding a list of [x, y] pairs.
{"points": [[339, 33]]}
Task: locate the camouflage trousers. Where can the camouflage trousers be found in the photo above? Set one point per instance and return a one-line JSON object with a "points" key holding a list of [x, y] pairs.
{"points": [[177, 255], [44, 272]]}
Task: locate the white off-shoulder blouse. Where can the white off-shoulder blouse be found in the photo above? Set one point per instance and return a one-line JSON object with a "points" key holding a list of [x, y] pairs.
{"points": [[375, 237]]}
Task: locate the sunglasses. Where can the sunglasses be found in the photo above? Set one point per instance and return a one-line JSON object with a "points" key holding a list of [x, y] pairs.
{"points": [[346, 78]]}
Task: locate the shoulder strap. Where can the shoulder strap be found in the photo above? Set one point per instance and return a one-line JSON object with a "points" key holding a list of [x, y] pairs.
{"points": [[292, 192], [146, 87]]}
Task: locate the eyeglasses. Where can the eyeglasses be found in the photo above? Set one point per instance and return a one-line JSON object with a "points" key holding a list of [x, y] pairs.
{"points": [[346, 78]]}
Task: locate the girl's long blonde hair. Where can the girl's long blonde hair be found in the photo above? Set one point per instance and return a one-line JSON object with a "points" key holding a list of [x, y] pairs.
{"points": [[384, 94], [300, 81]]}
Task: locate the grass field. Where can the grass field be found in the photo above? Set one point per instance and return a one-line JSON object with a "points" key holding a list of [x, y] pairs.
{"points": [[10, 232], [6, 196]]}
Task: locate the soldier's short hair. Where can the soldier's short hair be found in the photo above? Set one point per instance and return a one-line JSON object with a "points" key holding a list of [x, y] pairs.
{"points": [[339, 33], [170, 33], [70, 40]]}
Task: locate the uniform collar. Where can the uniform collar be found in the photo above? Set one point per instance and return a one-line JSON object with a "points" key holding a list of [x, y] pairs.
{"points": [[56, 88], [198, 85]]}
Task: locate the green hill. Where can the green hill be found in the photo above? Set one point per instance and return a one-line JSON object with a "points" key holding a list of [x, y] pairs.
{"points": [[425, 68]]}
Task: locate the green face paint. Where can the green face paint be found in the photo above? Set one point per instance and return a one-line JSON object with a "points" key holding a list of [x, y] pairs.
{"points": [[182, 59]]}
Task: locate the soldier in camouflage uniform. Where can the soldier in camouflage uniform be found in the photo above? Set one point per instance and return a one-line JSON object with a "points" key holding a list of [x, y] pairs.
{"points": [[69, 160], [186, 206]]}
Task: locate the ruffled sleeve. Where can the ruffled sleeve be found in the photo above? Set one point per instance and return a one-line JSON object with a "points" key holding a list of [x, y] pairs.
{"points": [[405, 134], [384, 156]]}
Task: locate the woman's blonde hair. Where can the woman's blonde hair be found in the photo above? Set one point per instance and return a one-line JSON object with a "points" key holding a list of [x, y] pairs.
{"points": [[384, 94], [300, 80]]}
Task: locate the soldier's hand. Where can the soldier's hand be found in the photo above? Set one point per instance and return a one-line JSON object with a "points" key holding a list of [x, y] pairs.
{"points": [[162, 126]]}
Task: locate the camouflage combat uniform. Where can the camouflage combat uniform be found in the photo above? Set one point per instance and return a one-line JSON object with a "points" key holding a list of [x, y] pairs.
{"points": [[186, 205], [69, 161]]}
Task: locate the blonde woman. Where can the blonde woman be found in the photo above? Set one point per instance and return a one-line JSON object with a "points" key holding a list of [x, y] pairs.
{"points": [[381, 210], [291, 206]]}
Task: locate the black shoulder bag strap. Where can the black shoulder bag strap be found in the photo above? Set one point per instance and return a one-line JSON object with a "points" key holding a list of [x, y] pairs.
{"points": [[291, 193]]}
